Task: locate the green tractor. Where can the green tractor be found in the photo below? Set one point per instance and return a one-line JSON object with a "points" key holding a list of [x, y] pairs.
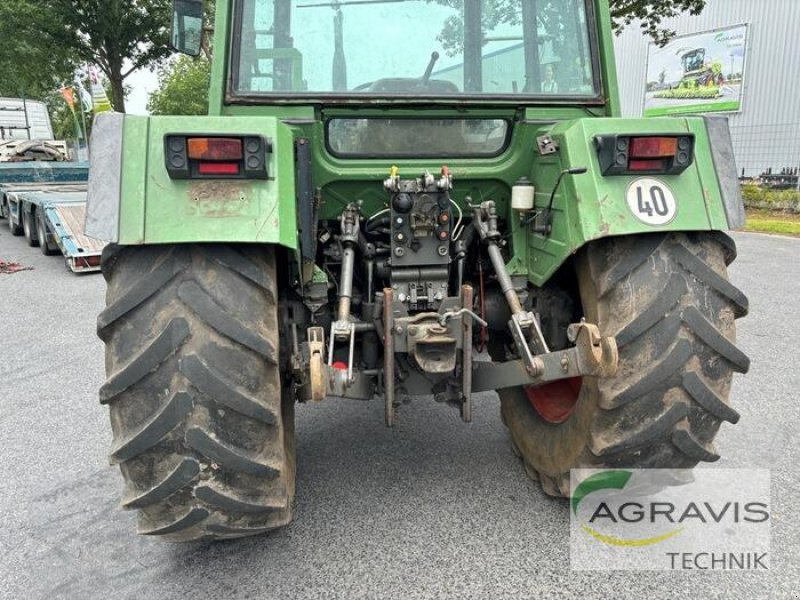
{"points": [[384, 202], [700, 79]]}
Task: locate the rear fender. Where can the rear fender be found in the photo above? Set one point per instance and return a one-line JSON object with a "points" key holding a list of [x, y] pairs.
{"points": [[592, 206], [132, 199]]}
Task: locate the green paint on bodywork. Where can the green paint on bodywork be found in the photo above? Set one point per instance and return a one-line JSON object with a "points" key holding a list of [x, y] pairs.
{"points": [[591, 206], [157, 209]]}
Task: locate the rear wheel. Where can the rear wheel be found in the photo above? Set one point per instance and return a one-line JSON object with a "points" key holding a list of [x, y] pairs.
{"points": [[203, 434], [668, 301], [47, 248], [13, 225], [29, 229]]}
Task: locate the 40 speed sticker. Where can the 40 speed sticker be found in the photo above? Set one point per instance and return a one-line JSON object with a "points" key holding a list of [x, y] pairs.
{"points": [[651, 201]]}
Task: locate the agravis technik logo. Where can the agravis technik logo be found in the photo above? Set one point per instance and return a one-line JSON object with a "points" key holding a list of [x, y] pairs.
{"points": [[670, 519]]}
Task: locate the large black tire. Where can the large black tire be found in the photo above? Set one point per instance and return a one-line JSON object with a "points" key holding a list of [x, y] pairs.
{"points": [[13, 226], [203, 435], [46, 247], [667, 299], [29, 229]]}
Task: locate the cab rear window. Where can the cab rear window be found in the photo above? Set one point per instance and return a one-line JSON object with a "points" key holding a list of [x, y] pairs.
{"points": [[417, 137]]}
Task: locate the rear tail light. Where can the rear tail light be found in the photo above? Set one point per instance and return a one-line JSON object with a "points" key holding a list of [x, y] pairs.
{"points": [[218, 168], [627, 154], [214, 148], [649, 165], [654, 147], [216, 157]]}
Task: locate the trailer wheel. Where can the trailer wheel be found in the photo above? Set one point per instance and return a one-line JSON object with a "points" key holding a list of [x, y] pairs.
{"points": [[14, 226], [203, 434], [46, 247], [667, 299], [29, 229]]}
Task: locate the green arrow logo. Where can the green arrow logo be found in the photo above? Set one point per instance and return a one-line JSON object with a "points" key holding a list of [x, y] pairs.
{"points": [[611, 480], [607, 480]]}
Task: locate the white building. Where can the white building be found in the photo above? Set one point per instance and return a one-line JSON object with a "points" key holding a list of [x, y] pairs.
{"points": [[766, 129]]}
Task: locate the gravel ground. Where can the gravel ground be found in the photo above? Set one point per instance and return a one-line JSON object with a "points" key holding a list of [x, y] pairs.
{"points": [[431, 509]]}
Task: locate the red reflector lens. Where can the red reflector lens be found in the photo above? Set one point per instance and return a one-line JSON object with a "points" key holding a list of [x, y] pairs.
{"points": [[219, 168], [654, 147], [215, 148], [648, 165]]}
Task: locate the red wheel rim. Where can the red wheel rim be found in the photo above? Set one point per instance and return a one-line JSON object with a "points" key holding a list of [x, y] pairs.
{"points": [[556, 401]]}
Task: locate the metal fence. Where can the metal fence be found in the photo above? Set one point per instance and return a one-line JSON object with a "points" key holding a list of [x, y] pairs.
{"points": [[768, 153]]}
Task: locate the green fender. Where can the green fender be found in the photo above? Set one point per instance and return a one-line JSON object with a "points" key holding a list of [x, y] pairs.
{"points": [[133, 200], [592, 206]]}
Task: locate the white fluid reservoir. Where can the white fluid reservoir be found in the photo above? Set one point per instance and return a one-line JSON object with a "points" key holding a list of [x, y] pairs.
{"points": [[522, 195]]}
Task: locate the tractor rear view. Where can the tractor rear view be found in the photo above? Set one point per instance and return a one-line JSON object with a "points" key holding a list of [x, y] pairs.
{"points": [[371, 212]]}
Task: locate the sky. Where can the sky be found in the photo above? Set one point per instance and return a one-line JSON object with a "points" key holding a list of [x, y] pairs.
{"points": [[142, 83]]}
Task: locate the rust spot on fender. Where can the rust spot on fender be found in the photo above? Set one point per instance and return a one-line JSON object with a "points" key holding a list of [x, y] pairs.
{"points": [[220, 199]]}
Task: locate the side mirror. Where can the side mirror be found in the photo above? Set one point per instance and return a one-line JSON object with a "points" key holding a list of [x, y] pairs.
{"points": [[187, 26]]}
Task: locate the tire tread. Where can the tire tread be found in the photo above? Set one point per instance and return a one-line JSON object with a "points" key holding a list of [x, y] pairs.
{"points": [[194, 389]]}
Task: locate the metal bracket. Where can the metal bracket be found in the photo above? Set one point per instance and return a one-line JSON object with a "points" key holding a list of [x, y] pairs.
{"points": [[521, 342], [592, 356], [547, 145], [316, 363], [531, 344], [343, 330]]}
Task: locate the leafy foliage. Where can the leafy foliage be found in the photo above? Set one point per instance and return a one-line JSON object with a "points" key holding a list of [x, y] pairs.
{"points": [[106, 33], [778, 200], [183, 88], [651, 14], [28, 67], [493, 14]]}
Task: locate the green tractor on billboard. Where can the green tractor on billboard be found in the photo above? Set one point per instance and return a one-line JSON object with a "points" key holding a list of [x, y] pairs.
{"points": [[377, 206], [700, 79]]}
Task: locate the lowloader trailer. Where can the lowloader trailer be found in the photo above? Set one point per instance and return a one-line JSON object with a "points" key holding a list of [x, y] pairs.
{"points": [[46, 203]]}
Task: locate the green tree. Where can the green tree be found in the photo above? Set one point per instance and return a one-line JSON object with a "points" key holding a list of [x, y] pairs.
{"points": [[182, 87], [119, 36], [27, 66], [651, 14]]}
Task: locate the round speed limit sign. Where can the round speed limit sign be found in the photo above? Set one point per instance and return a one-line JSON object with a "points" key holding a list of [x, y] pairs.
{"points": [[651, 201]]}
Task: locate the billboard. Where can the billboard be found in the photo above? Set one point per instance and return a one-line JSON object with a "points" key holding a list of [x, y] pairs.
{"points": [[698, 73]]}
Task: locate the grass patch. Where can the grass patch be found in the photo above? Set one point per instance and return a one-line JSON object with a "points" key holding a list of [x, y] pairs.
{"points": [[764, 221]]}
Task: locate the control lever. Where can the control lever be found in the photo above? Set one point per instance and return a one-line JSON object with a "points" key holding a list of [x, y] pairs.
{"points": [[429, 70]]}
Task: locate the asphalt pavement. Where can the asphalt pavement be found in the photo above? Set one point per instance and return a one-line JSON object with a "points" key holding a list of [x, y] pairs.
{"points": [[431, 509]]}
